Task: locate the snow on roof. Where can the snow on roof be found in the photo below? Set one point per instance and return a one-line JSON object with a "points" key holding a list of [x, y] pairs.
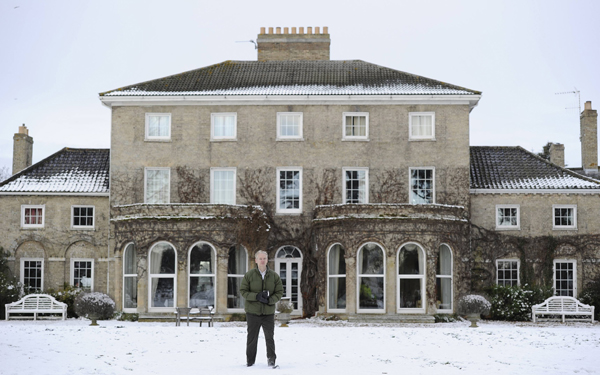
{"points": [[352, 77], [495, 167], [70, 170]]}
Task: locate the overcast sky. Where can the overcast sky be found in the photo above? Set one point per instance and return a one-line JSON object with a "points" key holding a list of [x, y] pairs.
{"points": [[56, 56]]}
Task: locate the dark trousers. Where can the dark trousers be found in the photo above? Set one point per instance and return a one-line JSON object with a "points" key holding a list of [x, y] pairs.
{"points": [[267, 322]]}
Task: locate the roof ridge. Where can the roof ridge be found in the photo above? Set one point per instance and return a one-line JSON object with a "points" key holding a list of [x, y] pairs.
{"points": [[571, 173]]}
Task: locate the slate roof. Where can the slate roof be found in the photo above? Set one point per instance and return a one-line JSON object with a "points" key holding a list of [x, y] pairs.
{"points": [[70, 170], [351, 77], [495, 167]]}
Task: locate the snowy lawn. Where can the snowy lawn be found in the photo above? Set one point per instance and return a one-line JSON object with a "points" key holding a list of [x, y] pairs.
{"points": [[306, 347]]}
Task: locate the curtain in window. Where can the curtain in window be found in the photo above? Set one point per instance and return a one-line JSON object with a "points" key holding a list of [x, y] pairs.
{"points": [[422, 126], [224, 126], [356, 186], [236, 269], [158, 126], [223, 187], [337, 278], [289, 125], [202, 276], [162, 275], [421, 186], [157, 185], [411, 276], [444, 279], [130, 277], [289, 189], [371, 277], [356, 126]]}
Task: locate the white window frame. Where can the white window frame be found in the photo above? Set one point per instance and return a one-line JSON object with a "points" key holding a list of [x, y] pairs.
{"points": [[236, 276], [33, 226], [410, 126], [359, 276], [355, 137], [72, 276], [344, 190], [128, 275], [288, 210], [422, 277], [410, 192], [450, 277], [336, 276], [200, 275], [214, 137], [509, 260], [73, 226], [572, 261], [146, 183], [157, 137], [161, 275], [212, 184], [564, 227], [508, 227], [298, 137], [286, 263], [22, 276]]}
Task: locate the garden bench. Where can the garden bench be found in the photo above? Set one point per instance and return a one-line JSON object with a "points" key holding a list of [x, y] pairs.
{"points": [[202, 314], [563, 306], [36, 304]]}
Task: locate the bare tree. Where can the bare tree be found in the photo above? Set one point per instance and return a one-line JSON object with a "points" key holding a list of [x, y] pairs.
{"points": [[4, 173]]}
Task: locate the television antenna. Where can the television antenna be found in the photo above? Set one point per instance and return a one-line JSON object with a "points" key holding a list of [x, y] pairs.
{"points": [[576, 92], [248, 41]]}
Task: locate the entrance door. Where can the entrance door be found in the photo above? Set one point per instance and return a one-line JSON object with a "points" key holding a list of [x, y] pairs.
{"points": [[288, 264]]}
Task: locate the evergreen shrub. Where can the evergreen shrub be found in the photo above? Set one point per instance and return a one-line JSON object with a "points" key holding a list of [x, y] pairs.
{"points": [[590, 295], [66, 295], [94, 306], [513, 303], [473, 304], [10, 288]]}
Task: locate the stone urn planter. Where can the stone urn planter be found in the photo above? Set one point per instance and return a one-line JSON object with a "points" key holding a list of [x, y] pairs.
{"points": [[473, 305], [284, 309]]}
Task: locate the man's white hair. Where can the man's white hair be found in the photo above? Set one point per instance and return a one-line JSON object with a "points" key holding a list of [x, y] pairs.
{"points": [[261, 252]]}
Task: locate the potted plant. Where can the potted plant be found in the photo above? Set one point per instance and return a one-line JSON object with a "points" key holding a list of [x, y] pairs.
{"points": [[284, 309], [473, 305], [94, 306]]}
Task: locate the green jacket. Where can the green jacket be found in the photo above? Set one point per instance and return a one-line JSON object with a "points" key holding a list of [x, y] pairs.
{"points": [[253, 283]]}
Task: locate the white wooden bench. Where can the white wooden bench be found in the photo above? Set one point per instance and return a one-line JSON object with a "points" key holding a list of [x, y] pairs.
{"points": [[202, 314], [563, 306], [36, 304]]}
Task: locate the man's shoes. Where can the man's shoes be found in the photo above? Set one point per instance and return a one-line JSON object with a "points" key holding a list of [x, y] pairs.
{"points": [[249, 364], [271, 363]]}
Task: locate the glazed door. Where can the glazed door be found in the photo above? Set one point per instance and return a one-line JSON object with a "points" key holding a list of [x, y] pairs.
{"points": [[288, 264]]}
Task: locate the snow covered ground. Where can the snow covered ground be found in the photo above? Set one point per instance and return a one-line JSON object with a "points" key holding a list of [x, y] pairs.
{"points": [[305, 347]]}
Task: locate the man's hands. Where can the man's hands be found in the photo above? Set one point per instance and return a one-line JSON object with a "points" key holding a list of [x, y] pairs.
{"points": [[263, 297]]}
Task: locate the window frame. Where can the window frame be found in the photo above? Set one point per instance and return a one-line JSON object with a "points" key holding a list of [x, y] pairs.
{"points": [[412, 137], [72, 272], [129, 275], [201, 275], [422, 277], [518, 270], [293, 211], [161, 275], [287, 262], [22, 272], [298, 137], [73, 226], [410, 191], [344, 190], [359, 276], [237, 276], [35, 206], [212, 184], [146, 169], [149, 137], [508, 227], [572, 261], [564, 227], [336, 276], [214, 137], [450, 277], [355, 137]]}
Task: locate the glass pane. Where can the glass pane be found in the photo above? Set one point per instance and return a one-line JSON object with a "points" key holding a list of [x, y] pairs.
{"points": [[289, 189], [234, 299], [202, 259], [130, 292], [410, 261], [202, 291], [337, 292], [371, 260], [238, 260], [162, 292], [410, 293], [444, 263], [162, 259], [371, 293], [337, 263], [295, 285], [157, 186], [129, 260], [224, 187], [444, 293]]}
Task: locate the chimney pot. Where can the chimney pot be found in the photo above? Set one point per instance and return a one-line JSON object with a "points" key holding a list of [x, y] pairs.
{"points": [[309, 30], [23, 130], [587, 105], [278, 30], [270, 30], [317, 30], [262, 30], [286, 30], [293, 30], [301, 30], [325, 30]]}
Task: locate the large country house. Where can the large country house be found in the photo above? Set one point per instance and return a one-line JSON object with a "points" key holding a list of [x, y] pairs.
{"points": [[357, 179]]}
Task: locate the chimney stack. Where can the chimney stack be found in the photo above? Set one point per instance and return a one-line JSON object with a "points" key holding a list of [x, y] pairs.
{"points": [[22, 150], [589, 139], [295, 46], [557, 154]]}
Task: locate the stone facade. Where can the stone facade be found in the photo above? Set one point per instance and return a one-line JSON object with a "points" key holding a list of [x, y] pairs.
{"points": [[278, 46], [22, 150], [589, 140]]}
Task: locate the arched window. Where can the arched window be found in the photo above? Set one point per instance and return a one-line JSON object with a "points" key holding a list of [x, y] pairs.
{"points": [[443, 279], [288, 264], [163, 281], [371, 278], [336, 275], [129, 279], [411, 278], [237, 266], [202, 275]]}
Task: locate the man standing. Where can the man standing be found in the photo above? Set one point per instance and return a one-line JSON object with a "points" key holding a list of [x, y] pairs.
{"points": [[261, 288]]}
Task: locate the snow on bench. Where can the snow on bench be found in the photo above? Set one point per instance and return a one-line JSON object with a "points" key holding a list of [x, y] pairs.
{"points": [[563, 306], [36, 304]]}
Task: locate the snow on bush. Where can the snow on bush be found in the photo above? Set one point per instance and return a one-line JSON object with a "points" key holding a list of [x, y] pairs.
{"points": [[473, 304], [94, 306], [514, 303]]}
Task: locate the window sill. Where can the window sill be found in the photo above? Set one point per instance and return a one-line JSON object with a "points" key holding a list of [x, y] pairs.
{"points": [[564, 228], [158, 140], [224, 140], [289, 139], [32, 228], [422, 139], [507, 228], [83, 228], [356, 140], [280, 213]]}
